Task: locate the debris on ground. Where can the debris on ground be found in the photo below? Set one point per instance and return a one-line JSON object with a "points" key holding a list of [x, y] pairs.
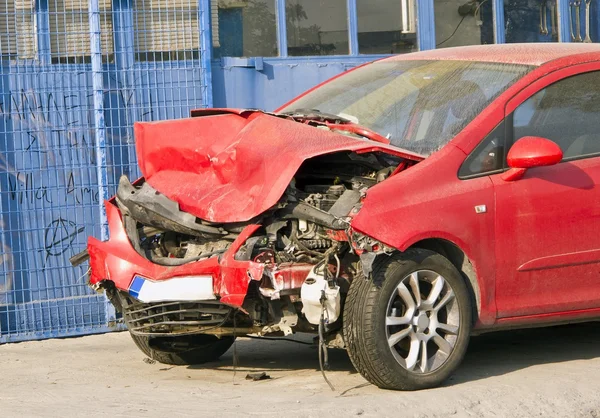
{"points": [[257, 376]]}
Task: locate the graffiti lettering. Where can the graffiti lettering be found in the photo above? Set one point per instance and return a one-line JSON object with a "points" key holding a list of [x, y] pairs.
{"points": [[32, 106], [23, 188], [52, 125], [74, 145], [80, 193], [27, 188]]}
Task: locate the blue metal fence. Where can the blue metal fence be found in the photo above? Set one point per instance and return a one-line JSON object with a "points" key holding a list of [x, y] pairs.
{"points": [[74, 77]]}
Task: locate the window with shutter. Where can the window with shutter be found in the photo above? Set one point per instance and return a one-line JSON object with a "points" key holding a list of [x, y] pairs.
{"points": [[166, 30], [17, 29], [70, 31], [214, 19]]}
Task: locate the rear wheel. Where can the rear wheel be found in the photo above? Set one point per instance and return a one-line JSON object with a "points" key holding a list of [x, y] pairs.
{"points": [[409, 327], [184, 350]]}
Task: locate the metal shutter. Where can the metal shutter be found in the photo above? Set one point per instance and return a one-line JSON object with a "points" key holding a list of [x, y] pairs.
{"points": [[17, 28], [70, 28], [166, 25], [214, 17]]}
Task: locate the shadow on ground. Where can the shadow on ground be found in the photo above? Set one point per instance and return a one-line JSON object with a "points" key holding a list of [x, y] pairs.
{"points": [[489, 355], [499, 353], [255, 354]]}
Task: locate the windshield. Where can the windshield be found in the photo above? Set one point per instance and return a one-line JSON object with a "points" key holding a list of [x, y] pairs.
{"points": [[419, 105]]}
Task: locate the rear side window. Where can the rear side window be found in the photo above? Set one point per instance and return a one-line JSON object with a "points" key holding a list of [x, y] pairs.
{"points": [[566, 112], [488, 157]]}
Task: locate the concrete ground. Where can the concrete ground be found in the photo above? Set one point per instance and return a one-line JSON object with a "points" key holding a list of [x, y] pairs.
{"points": [[552, 372]]}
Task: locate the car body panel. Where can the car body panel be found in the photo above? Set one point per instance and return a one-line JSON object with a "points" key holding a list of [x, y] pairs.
{"points": [[548, 219], [562, 260], [243, 173], [445, 211], [230, 165], [388, 215], [525, 53], [548, 240]]}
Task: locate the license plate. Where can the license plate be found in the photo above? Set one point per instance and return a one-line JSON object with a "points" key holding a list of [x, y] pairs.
{"points": [[188, 288]]}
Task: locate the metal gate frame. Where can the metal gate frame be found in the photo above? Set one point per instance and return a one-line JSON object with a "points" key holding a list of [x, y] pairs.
{"points": [[117, 98]]}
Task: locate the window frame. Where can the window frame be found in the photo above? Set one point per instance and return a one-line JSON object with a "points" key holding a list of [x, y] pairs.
{"points": [[9, 20], [507, 132], [424, 24], [511, 134], [521, 97], [542, 83], [84, 58], [142, 53], [347, 52]]}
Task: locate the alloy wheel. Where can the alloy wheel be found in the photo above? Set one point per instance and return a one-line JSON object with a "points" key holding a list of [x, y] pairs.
{"points": [[422, 322]]}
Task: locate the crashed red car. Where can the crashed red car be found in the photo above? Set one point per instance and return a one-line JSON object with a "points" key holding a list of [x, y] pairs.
{"points": [[393, 211]]}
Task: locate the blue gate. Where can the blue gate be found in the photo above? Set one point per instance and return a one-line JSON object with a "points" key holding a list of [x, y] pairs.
{"points": [[74, 77]]}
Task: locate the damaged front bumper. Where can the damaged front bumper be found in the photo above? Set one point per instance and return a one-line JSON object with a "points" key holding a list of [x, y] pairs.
{"points": [[221, 278]]}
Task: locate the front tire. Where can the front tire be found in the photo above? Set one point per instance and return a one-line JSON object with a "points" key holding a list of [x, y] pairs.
{"points": [[408, 328], [185, 350]]}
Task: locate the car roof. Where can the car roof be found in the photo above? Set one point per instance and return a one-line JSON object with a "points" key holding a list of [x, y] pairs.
{"points": [[535, 54]]}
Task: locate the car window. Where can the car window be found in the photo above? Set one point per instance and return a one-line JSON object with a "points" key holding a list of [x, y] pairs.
{"points": [[419, 105], [566, 112], [487, 157]]}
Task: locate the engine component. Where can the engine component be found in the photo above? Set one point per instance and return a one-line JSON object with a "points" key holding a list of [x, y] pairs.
{"points": [[345, 203], [317, 244], [323, 196], [149, 207], [284, 315], [308, 227], [302, 210], [318, 298]]}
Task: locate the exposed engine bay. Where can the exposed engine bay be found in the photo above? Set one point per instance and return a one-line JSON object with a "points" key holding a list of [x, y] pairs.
{"points": [[304, 243]]}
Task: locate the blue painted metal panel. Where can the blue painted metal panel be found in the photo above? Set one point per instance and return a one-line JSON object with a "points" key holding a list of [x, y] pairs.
{"points": [[281, 28], [205, 50], [352, 27], [99, 129], [50, 200], [43, 35], [499, 33], [425, 25], [564, 20], [237, 83], [66, 135]]}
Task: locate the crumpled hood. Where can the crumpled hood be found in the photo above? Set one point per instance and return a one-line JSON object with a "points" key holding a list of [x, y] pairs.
{"points": [[233, 166]]}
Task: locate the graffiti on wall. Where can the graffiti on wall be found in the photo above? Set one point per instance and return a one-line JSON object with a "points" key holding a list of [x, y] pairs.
{"points": [[50, 201], [49, 182]]}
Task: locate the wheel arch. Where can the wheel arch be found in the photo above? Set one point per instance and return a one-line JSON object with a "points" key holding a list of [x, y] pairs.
{"points": [[461, 261]]}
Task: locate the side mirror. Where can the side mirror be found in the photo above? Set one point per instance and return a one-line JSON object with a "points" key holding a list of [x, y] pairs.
{"points": [[530, 152]]}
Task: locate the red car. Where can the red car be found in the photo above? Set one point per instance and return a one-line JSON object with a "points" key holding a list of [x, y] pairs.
{"points": [[393, 211]]}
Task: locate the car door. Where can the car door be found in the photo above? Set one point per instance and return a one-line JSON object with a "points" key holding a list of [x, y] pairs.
{"points": [[548, 222]]}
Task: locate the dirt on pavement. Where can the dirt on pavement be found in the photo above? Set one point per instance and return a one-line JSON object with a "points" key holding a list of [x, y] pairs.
{"points": [[552, 372]]}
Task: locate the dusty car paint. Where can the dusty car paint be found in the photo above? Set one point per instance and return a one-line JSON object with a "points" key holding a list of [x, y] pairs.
{"points": [[231, 179], [237, 172]]}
